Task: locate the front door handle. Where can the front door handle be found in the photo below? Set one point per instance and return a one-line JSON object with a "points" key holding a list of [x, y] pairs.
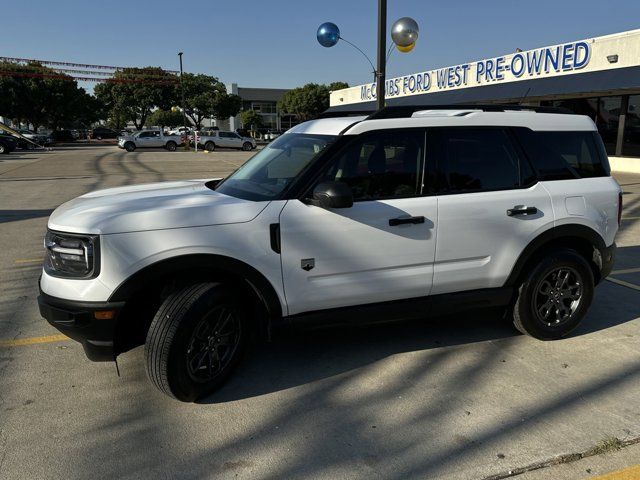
{"points": [[394, 222], [522, 210]]}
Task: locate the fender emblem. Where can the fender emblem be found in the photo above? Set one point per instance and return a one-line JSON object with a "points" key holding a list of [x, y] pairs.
{"points": [[307, 263]]}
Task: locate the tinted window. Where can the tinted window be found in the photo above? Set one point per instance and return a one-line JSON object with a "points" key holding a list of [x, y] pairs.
{"points": [[384, 164], [564, 155], [475, 159]]}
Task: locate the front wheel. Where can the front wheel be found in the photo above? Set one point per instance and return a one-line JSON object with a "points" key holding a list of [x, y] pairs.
{"points": [[210, 146], [195, 340], [246, 146], [172, 146], [554, 296], [129, 146], [3, 149]]}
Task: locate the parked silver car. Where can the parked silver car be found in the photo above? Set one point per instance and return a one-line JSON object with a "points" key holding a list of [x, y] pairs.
{"points": [[216, 138]]}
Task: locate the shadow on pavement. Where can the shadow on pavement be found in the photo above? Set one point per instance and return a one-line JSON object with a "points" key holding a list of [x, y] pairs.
{"points": [[7, 216]]}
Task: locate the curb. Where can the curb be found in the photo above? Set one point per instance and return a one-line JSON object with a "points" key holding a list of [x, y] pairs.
{"points": [[625, 164]]}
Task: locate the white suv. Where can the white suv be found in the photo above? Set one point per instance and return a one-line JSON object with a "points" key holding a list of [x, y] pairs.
{"points": [[405, 213]]}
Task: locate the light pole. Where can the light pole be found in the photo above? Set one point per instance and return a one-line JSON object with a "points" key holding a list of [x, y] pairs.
{"points": [[382, 52], [404, 34], [184, 111]]}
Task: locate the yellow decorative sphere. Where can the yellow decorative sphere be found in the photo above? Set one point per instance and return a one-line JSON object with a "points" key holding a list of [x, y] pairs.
{"points": [[406, 49]]}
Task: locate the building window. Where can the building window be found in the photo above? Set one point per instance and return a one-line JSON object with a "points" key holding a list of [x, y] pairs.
{"points": [[631, 145], [608, 121], [264, 107]]}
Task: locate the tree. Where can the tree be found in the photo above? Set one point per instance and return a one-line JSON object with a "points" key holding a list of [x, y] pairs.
{"points": [[205, 96], [251, 119], [39, 95], [133, 93], [166, 118], [308, 101]]}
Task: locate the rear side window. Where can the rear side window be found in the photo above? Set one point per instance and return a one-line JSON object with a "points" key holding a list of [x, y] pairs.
{"points": [[564, 155], [475, 159]]}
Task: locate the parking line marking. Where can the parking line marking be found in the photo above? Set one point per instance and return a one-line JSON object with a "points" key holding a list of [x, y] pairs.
{"points": [[631, 473], [20, 342], [28, 260], [630, 218], [624, 284], [628, 270]]}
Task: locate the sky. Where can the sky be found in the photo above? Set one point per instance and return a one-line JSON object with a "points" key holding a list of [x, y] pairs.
{"points": [[272, 43]]}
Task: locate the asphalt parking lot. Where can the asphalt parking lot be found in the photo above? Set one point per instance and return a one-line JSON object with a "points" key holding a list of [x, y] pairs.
{"points": [[456, 398]]}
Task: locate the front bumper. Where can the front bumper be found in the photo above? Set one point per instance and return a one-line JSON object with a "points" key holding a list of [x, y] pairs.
{"points": [[78, 321]]}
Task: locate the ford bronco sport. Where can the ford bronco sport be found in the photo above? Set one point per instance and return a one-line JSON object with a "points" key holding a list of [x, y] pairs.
{"points": [[404, 213]]}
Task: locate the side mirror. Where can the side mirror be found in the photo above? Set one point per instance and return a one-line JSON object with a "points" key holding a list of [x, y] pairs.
{"points": [[332, 195]]}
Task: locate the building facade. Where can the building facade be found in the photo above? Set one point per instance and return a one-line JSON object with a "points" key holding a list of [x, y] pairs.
{"points": [[599, 77], [263, 101]]}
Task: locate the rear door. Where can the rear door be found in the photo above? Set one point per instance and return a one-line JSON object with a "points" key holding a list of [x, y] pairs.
{"points": [[490, 206]]}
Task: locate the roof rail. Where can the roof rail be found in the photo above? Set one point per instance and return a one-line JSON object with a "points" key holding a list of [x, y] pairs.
{"points": [[405, 111], [354, 113]]}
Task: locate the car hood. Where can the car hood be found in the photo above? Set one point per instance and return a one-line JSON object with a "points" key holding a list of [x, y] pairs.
{"points": [[154, 206]]}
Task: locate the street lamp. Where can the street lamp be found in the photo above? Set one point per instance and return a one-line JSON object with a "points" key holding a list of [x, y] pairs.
{"points": [[184, 111], [404, 34]]}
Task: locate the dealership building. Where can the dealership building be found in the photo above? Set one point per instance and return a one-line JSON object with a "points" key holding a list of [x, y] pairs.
{"points": [[598, 77]]}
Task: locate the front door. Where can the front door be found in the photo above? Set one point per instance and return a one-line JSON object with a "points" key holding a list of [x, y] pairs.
{"points": [[380, 249]]}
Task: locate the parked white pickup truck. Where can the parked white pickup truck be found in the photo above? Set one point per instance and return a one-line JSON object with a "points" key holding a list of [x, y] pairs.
{"points": [[154, 137]]}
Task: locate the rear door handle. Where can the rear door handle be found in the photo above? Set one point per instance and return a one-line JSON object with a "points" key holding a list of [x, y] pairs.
{"points": [[394, 222], [522, 210]]}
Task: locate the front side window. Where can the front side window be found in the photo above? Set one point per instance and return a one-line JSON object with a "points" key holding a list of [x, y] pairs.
{"points": [[475, 159], [272, 169], [381, 165]]}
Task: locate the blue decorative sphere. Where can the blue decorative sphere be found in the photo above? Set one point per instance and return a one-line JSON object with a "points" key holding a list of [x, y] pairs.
{"points": [[328, 34]]}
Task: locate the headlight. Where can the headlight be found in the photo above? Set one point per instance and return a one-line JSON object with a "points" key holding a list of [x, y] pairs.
{"points": [[70, 255]]}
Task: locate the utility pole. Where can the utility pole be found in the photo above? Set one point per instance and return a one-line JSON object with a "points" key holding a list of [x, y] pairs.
{"points": [[382, 52], [184, 112]]}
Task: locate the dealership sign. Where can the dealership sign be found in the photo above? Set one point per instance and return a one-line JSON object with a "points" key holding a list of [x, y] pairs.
{"points": [[563, 59]]}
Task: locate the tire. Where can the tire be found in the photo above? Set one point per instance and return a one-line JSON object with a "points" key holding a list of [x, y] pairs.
{"points": [[247, 147], [99, 137], [129, 146], [181, 350], [554, 296], [210, 146], [171, 146], [3, 149]]}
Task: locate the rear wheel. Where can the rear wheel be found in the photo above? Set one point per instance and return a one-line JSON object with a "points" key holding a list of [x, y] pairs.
{"points": [[195, 340], [172, 146], [129, 146], [3, 149], [246, 146], [210, 146], [555, 295]]}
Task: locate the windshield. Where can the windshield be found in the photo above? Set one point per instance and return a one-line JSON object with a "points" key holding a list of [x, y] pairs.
{"points": [[270, 171]]}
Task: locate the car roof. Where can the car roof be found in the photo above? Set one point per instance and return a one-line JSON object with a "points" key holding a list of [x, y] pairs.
{"points": [[475, 118], [454, 117], [326, 126]]}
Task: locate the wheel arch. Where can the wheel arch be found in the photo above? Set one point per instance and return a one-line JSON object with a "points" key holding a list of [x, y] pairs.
{"points": [[577, 237], [144, 291]]}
